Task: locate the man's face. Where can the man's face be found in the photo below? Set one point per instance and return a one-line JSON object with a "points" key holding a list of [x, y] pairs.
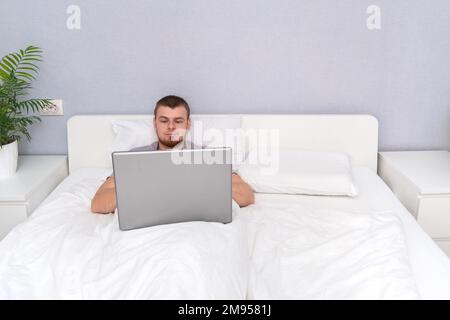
{"points": [[171, 125]]}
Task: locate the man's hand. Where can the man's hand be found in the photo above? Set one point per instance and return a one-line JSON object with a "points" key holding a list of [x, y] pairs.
{"points": [[242, 193], [104, 200]]}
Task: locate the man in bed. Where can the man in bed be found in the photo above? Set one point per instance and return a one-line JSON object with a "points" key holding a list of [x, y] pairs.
{"points": [[171, 116]]}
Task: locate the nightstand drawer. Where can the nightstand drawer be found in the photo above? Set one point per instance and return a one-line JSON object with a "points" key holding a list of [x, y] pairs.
{"points": [[444, 245], [434, 216], [11, 215], [22, 193]]}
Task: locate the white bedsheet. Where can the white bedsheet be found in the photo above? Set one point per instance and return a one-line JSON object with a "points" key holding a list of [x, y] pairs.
{"points": [[65, 251], [338, 247]]}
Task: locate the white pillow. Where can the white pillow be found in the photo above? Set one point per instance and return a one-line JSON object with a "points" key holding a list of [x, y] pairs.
{"points": [[131, 134], [300, 172], [206, 131]]}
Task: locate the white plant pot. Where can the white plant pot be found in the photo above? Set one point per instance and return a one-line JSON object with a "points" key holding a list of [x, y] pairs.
{"points": [[8, 160]]}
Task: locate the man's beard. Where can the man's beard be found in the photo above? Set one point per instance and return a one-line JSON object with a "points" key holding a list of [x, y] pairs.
{"points": [[170, 143]]}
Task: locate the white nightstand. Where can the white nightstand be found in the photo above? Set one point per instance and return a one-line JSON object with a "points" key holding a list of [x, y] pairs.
{"points": [[421, 180], [20, 194]]}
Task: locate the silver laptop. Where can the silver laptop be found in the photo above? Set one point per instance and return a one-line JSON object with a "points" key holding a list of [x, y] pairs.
{"points": [[162, 187]]}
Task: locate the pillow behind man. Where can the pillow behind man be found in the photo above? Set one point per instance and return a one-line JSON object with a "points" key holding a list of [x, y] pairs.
{"points": [[130, 135]]}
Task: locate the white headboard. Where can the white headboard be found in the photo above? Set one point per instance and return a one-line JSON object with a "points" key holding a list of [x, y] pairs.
{"points": [[90, 137]]}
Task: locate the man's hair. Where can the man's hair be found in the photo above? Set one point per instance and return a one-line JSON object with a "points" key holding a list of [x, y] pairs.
{"points": [[172, 102]]}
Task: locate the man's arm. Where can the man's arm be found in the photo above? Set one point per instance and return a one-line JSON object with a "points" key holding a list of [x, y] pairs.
{"points": [[242, 193], [104, 200]]}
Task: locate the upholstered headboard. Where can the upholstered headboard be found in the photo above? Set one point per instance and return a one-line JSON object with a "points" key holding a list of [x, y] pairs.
{"points": [[90, 137]]}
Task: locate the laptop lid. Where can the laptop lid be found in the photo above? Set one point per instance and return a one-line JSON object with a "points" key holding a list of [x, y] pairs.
{"points": [[162, 187]]}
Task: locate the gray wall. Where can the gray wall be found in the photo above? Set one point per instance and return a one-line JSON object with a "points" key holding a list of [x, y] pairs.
{"points": [[234, 56]]}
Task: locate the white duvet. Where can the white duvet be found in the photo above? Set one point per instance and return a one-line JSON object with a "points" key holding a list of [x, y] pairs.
{"points": [[284, 246], [65, 252], [302, 252]]}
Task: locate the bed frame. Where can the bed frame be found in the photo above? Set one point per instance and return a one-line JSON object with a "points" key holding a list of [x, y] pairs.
{"points": [[90, 137]]}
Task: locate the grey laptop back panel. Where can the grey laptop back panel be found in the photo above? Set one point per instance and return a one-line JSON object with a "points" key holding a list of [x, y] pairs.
{"points": [[151, 189]]}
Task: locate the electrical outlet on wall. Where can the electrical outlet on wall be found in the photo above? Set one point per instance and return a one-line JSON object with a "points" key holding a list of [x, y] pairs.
{"points": [[55, 110]]}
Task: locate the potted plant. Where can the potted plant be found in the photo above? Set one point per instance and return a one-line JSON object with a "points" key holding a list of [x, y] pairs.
{"points": [[17, 71]]}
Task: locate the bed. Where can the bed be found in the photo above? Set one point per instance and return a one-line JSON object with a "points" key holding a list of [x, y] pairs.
{"points": [[318, 247], [63, 251], [369, 247]]}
